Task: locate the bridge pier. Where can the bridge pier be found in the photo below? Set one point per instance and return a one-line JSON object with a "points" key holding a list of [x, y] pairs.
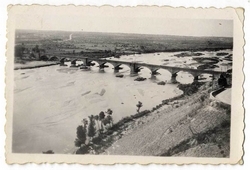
{"points": [[86, 62], [154, 72], [134, 69], [195, 75], [173, 78], [73, 63], [101, 66], [62, 62], [117, 68], [196, 78]]}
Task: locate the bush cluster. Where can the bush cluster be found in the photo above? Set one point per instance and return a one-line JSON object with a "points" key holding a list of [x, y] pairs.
{"points": [[189, 89]]}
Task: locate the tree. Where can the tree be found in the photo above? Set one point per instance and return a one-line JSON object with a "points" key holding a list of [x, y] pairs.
{"points": [[37, 50], [43, 50], [96, 117], [32, 55], [109, 111], [108, 121], [85, 122], [19, 51], [81, 136], [139, 105], [109, 117], [101, 117], [91, 127]]}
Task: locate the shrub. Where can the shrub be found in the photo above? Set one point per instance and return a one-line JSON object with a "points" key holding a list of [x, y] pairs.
{"points": [[140, 114], [81, 136], [189, 89], [127, 119], [91, 127], [97, 140], [139, 105], [83, 150], [101, 117]]}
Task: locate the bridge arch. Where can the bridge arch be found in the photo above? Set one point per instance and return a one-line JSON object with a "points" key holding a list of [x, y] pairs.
{"points": [[164, 70], [110, 63], [74, 61], [126, 64], [106, 62], [53, 58], [94, 63], [124, 68], [186, 77], [163, 74], [147, 68], [44, 58], [172, 71], [146, 71], [64, 59], [102, 63]]}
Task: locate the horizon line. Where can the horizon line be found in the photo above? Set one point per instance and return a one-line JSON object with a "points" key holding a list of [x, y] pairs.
{"points": [[127, 33]]}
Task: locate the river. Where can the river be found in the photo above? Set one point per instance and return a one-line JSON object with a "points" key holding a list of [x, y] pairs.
{"points": [[50, 102]]}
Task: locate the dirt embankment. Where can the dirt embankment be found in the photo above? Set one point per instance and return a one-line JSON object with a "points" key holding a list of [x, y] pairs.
{"points": [[188, 125], [193, 126]]}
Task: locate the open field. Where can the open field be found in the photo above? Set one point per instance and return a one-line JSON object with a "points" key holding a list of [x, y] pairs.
{"points": [[63, 43]]}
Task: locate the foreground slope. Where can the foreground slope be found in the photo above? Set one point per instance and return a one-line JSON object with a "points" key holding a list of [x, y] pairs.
{"points": [[196, 126]]}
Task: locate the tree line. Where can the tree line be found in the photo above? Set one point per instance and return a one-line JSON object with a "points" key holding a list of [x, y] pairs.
{"points": [[91, 130], [93, 127]]}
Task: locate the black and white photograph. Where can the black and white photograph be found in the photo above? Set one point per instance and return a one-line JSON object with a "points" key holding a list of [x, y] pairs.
{"points": [[119, 81]]}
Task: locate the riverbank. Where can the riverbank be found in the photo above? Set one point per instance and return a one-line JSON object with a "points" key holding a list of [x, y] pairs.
{"points": [[187, 125], [33, 64]]}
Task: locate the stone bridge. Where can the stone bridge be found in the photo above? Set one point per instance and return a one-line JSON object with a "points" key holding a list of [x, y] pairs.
{"points": [[135, 67]]}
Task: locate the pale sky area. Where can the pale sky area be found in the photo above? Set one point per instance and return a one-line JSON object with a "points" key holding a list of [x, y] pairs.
{"points": [[125, 21]]}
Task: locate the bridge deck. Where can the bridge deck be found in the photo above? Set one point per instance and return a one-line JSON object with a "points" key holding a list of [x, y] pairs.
{"points": [[162, 66], [155, 66]]}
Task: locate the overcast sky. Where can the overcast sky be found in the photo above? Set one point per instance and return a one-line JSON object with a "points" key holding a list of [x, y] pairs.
{"points": [[169, 22]]}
